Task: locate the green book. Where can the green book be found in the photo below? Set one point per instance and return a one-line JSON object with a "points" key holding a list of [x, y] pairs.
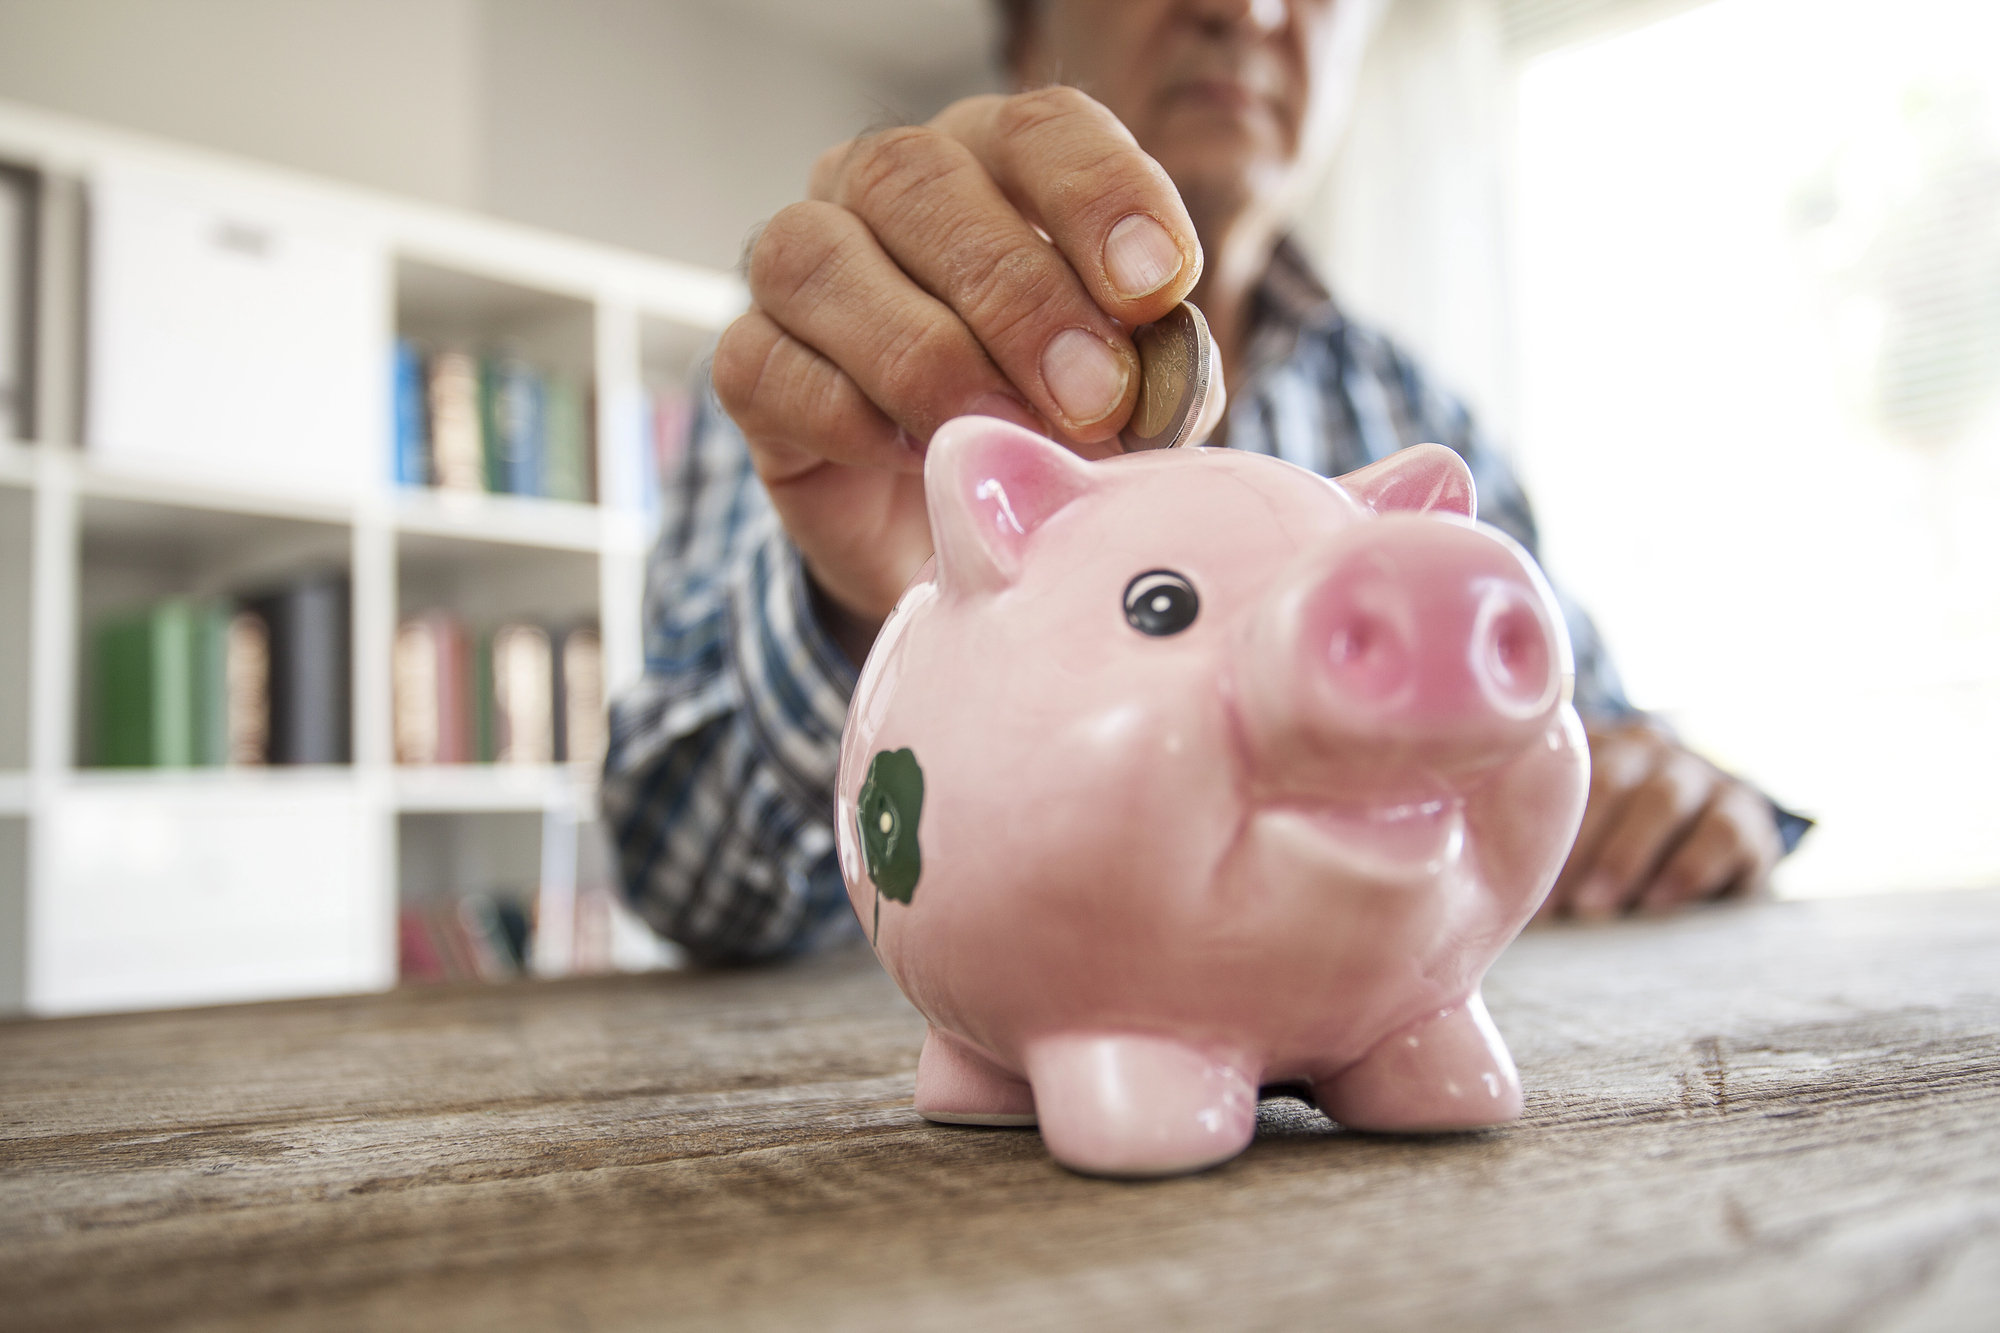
{"points": [[492, 398], [124, 692], [566, 464], [482, 699], [209, 678], [145, 688]]}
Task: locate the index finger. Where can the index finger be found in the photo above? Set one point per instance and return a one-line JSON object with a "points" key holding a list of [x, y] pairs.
{"points": [[1073, 170]]}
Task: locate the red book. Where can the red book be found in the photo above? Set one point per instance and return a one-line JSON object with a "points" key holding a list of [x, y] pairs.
{"points": [[418, 958], [431, 670]]}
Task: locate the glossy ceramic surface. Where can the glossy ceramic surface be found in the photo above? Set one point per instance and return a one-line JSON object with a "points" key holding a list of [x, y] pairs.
{"points": [[1191, 771]]}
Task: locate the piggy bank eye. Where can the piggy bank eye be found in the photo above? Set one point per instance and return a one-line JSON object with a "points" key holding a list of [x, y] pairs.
{"points": [[1160, 602]]}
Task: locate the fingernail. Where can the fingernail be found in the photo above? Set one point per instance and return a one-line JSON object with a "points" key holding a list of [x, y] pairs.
{"points": [[910, 442], [1139, 257], [1086, 378], [996, 404]]}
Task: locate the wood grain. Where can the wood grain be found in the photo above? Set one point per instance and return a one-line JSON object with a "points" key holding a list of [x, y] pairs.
{"points": [[1773, 1117]]}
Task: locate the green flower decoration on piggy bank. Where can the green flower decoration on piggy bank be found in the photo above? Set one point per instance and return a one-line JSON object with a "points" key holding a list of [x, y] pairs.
{"points": [[891, 802]]}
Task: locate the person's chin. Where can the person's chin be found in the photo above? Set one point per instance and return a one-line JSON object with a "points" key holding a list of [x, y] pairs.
{"points": [[1223, 169]]}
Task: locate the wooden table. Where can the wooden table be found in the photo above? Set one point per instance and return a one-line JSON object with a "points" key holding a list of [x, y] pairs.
{"points": [[1764, 1118]]}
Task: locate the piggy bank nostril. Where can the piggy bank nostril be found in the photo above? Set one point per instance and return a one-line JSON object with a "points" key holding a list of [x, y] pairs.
{"points": [[1356, 641], [1511, 655], [1366, 657]]}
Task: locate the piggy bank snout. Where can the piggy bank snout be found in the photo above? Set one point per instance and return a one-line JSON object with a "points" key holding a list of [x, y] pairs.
{"points": [[1413, 632]]}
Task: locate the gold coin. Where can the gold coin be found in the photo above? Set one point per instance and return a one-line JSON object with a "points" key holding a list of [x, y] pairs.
{"points": [[1177, 374]]}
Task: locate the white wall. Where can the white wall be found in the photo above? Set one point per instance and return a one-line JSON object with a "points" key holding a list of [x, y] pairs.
{"points": [[670, 126], [666, 127], [379, 92]]}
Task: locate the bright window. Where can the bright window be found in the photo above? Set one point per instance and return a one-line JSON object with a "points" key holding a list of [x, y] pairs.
{"points": [[1759, 284]]}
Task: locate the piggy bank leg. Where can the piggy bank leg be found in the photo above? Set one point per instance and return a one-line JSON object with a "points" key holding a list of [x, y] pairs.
{"points": [[1448, 1070], [956, 1085], [1139, 1106]]}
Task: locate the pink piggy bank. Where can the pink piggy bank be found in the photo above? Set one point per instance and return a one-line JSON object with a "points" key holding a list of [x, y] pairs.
{"points": [[1191, 771]]}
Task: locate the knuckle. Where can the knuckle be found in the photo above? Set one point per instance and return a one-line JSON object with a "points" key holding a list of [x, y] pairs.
{"points": [[1713, 839], [1022, 287], [967, 111], [1731, 827], [1653, 795], [1025, 113], [1105, 180], [1618, 762], [1697, 864], [1748, 812], [742, 357], [1085, 158], [915, 363], [893, 169], [794, 245], [1676, 789]]}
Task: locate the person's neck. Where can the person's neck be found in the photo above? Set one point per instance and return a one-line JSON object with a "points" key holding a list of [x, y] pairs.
{"points": [[1236, 250]]}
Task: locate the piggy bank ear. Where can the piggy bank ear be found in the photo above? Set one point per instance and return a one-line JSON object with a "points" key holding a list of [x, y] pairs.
{"points": [[1424, 476], [989, 484]]}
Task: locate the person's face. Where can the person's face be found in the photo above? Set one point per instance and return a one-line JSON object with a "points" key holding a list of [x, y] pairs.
{"points": [[1220, 92]]}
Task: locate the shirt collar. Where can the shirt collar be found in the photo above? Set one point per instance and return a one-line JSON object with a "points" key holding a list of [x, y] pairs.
{"points": [[1289, 300]]}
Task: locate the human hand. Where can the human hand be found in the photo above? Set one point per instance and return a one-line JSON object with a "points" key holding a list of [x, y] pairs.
{"points": [[990, 262], [1663, 828]]}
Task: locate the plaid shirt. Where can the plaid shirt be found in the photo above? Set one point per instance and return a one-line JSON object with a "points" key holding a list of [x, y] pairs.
{"points": [[719, 782]]}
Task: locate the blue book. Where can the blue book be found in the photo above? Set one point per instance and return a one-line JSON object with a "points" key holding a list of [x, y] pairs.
{"points": [[531, 423], [519, 436], [413, 437]]}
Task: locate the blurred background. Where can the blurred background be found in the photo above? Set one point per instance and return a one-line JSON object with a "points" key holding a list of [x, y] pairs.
{"points": [[1723, 278]]}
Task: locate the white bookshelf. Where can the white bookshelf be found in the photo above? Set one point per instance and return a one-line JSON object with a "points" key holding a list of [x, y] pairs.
{"points": [[126, 889]]}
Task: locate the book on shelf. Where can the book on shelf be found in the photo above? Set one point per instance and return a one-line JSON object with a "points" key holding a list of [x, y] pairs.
{"points": [[480, 697], [188, 681], [431, 676], [310, 667], [413, 431], [583, 724], [246, 689], [568, 471], [524, 702], [479, 937], [456, 460], [521, 694], [146, 680], [511, 403], [20, 196], [491, 423], [490, 937]]}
